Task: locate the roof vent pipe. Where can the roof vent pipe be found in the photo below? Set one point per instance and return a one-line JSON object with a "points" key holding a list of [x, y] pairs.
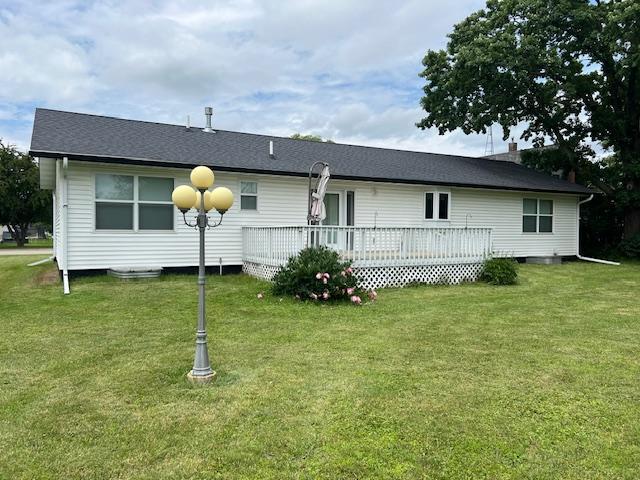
{"points": [[271, 154], [208, 112]]}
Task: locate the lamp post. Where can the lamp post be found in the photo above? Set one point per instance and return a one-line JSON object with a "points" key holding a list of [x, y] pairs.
{"points": [[186, 197]]}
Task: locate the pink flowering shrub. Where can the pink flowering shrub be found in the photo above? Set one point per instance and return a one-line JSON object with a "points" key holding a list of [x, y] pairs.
{"points": [[317, 274]]}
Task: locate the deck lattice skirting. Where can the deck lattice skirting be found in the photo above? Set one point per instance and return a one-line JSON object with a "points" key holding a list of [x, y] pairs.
{"points": [[381, 256]]}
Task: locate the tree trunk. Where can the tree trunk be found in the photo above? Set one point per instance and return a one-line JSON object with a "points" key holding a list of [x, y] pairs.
{"points": [[18, 232], [631, 222]]}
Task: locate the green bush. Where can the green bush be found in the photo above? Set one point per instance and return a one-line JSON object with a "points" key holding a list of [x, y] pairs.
{"points": [[500, 271], [317, 274], [631, 247]]}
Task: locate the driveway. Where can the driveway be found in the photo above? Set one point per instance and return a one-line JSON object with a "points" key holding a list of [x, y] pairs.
{"points": [[25, 251]]}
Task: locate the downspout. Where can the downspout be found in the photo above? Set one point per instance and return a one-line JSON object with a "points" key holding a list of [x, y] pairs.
{"points": [[40, 262], [65, 226], [580, 257], [54, 199]]}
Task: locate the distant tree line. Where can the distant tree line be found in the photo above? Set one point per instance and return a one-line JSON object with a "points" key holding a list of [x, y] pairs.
{"points": [[310, 137]]}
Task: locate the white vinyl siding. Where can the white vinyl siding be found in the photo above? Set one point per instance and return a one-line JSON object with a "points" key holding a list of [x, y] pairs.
{"points": [[283, 201], [386, 204], [57, 216], [47, 167], [99, 249]]}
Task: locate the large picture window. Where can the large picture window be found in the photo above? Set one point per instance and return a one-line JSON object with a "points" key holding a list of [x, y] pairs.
{"points": [[537, 215], [436, 206], [119, 196]]}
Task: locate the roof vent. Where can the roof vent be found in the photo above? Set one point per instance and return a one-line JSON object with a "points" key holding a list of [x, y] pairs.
{"points": [[208, 112], [271, 154]]}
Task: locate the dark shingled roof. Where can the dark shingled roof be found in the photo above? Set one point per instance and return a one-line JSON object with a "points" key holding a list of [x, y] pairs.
{"points": [[97, 138]]}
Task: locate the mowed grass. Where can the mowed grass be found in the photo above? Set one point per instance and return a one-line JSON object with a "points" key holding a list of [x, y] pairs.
{"points": [[539, 380], [33, 243]]}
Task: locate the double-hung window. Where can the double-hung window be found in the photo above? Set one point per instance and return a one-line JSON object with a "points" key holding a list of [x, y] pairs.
{"points": [[155, 209], [248, 195], [436, 206], [114, 202], [128, 202], [537, 215]]}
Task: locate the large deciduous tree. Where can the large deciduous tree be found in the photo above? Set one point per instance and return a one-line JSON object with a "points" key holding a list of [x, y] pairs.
{"points": [[21, 200], [569, 70]]}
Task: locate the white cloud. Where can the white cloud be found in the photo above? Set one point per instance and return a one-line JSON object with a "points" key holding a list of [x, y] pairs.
{"points": [[58, 74], [344, 70]]}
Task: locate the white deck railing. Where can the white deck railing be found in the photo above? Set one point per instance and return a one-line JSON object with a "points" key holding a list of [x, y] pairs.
{"points": [[369, 246]]}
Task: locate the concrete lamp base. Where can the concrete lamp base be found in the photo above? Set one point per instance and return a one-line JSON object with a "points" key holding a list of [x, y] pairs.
{"points": [[201, 379]]}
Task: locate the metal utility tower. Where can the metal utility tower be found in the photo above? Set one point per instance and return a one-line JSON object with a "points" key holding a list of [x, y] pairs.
{"points": [[488, 145]]}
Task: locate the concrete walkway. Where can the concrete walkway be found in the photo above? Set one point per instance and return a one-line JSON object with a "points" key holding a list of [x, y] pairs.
{"points": [[25, 251]]}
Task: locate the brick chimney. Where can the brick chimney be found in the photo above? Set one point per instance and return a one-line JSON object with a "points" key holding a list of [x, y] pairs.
{"points": [[513, 146]]}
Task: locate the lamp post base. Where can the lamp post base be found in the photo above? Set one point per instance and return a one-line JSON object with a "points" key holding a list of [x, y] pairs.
{"points": [[201, 379]]}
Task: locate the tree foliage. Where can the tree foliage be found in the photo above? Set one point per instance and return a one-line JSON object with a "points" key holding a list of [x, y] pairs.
{"points": [[21, 200], [569, 70], [310, 138]]}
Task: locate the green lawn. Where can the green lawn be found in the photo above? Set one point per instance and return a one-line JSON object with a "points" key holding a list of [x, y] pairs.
{"points": [[33, 243], [540, 380]]}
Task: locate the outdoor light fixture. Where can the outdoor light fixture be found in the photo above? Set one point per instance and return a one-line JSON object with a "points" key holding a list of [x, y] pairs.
{"points": [[185, 198]]}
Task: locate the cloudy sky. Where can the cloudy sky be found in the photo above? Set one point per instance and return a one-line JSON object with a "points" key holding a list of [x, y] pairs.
{"points": [[346, 70]]}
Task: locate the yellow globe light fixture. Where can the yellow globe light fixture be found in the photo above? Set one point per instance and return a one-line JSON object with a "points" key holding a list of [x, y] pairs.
{"points": [[199, 201], [208, 203], [221, 199], [208, 200], [186, 197], [202, 177]]}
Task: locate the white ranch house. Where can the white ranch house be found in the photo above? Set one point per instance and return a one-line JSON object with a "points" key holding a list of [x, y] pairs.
{"points": [[399, 216]]}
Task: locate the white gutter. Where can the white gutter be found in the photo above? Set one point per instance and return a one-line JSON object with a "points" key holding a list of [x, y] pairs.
{"points": [[65, 225], [587, 259]]}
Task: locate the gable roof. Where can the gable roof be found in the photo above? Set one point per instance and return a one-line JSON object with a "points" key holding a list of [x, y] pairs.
{"points": [[106, 139]]}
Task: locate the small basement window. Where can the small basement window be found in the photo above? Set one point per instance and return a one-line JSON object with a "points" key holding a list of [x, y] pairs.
{"points": [[537, 215], [436, 206], [248, 195]]}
